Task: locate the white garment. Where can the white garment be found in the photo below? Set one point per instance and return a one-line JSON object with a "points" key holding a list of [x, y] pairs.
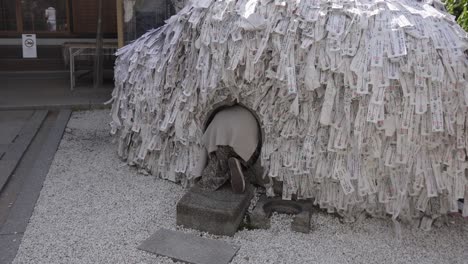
{"points": [[50, 14], [234, 126]]}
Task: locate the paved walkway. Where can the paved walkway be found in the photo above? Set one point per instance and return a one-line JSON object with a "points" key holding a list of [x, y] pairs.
{"points": [[34, 110], [12, 122], [50, 91], [28, 141]]}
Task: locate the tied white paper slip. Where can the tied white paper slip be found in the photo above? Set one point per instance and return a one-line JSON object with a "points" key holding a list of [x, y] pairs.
{"points": [[202, 3], [397, 44], [377, 49], [336, 24]]}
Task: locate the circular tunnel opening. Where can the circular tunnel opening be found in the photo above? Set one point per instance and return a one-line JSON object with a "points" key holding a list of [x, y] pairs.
{"points": [[224, 105]]}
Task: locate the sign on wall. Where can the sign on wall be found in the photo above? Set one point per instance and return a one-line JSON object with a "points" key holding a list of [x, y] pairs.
{"points": [[29, 46]]}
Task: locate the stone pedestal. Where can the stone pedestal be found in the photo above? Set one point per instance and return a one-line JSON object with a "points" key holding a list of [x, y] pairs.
{"points": [[302, 210], [219, 212]]}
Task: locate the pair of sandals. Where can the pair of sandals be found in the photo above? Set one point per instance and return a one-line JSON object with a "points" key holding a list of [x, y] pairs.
{"points": [[237, 176]]}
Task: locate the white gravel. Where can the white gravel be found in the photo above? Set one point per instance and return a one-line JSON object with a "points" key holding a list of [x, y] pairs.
{"points": [[95, 209]]}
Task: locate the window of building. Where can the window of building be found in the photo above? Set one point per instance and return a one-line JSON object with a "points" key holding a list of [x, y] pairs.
{"points": [[44, 15], [85, 13], [7, 15], [34, 16], [143, 15], [51, 18]]}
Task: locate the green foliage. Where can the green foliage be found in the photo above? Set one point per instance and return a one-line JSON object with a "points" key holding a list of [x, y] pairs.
{"points": [[459, 8]]}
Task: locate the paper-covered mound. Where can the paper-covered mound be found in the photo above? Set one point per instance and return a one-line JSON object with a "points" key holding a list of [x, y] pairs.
{"points": [[362, 104]]}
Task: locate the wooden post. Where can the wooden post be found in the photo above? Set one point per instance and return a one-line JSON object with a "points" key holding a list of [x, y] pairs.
{"points": [[19, 17], [98, 56], [120, 23]]}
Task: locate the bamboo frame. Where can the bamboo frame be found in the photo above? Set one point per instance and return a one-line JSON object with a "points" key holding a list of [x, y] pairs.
{"points": [[19, 17], [98, 76], [120, 24]]}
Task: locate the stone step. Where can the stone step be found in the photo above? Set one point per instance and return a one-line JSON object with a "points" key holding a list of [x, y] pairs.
{"points": [[18, 197], [45, 64], [19, 143], [219, 212]]}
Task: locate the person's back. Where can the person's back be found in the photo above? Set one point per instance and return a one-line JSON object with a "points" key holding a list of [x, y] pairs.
{"points": [[231, 139], [236, 127]]}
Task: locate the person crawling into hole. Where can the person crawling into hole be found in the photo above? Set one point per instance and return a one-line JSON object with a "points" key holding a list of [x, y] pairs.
{"points": [[231, 144]]}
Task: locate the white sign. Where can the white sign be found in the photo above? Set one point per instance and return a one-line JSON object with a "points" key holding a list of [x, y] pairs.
{"points": [[29, 46]]}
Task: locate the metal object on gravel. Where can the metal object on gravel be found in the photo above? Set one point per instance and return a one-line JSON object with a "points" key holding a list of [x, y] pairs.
{"points": [[302, 210], [19, 144], [219, 212], [189, 247]]}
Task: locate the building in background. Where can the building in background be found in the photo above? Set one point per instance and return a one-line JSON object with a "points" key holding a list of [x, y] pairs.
{"points": [[143, 15], [54, 22]]}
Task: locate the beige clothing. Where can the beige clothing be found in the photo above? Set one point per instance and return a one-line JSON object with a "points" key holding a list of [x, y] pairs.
{"points": [[235, 127]]}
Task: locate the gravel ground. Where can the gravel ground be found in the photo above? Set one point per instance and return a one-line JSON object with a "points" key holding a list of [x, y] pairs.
{"points": [[95, 209]]}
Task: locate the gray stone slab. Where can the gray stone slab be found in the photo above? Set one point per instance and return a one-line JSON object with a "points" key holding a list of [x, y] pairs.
{"points": [[9, 245], [16, 150], [11, 123], [23, 207], [22, 172], [52, 94], [3, 148], [219, 212], [16, 181], [189, 248]]}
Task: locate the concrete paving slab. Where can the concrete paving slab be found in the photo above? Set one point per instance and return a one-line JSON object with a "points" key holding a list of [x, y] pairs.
{"points": [[23, 207], [8, 246], [52, 94], [12, 116], [3, 148], [13, 187], [219, 212], [11, 123], [189, 247], [16, 150]]}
